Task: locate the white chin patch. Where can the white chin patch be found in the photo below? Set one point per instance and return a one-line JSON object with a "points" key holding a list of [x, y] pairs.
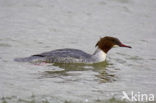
{"points": [[115, 46]]}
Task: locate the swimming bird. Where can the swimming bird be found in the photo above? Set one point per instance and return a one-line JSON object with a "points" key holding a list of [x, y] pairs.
{"points": [[68, 55]]}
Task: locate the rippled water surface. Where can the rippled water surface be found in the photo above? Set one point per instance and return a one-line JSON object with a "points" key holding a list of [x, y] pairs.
{"points": [[33, 26]]}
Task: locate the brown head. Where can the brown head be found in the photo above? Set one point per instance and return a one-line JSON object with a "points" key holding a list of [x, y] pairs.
{"points": [[106, 43]]}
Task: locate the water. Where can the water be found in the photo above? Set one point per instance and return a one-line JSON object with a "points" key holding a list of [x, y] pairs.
{"points": [[34, 26]]}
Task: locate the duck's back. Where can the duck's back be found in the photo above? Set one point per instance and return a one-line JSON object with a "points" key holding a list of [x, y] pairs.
{"points": [[59, 56]]}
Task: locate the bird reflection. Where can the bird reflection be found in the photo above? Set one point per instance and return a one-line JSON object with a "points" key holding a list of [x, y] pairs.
{"points": [[103, 74]]}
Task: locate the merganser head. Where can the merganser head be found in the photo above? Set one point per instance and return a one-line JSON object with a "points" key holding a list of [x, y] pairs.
{"points": [[106, 43]]}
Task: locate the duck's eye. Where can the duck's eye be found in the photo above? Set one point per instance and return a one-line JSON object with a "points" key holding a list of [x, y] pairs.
{"points": [[113, 41]]}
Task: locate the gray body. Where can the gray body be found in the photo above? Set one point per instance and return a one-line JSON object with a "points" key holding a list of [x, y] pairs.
{"points": [[59, 56]]}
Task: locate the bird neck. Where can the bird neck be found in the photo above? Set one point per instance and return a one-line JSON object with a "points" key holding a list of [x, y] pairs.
{"points": [[99, 55]]}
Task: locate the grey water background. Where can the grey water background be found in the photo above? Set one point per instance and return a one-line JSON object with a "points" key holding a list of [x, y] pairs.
{"points": [[33, 26]]}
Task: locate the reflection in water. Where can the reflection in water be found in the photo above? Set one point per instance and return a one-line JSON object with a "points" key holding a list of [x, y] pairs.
{"points": [[104, 75]]}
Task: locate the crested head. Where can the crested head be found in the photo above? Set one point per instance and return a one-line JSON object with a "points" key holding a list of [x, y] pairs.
{"points": [[106, 43]]}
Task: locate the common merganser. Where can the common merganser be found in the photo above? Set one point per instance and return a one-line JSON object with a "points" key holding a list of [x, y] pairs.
{"points": [[77, 56]]}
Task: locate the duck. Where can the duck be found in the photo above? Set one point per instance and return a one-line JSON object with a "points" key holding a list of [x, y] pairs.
{"points": [[69, 55]]}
